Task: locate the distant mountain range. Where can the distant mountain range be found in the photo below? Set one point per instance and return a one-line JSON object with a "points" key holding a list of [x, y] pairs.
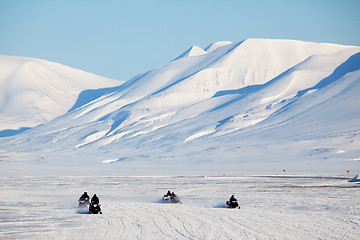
{"points": [[258, 105]]}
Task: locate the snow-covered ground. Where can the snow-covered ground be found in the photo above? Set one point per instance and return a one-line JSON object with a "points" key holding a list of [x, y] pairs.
{"points": [[275, 207]]}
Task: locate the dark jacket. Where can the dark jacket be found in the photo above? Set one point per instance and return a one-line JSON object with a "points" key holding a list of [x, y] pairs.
{"points": [[84, 196], [233, 199], [94, 199]]}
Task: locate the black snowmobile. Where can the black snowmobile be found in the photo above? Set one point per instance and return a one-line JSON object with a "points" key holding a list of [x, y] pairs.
{"points": [[171, 197], [84, 201], [95, 208], [232, 203], [95, 205]]}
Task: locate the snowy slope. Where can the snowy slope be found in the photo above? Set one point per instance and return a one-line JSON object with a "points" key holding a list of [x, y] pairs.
{"points": [[252, 106], [34, 91]]}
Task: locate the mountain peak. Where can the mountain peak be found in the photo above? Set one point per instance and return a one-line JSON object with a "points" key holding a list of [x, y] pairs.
{"points": [[212, 47], [33, 91], [192, 51]]}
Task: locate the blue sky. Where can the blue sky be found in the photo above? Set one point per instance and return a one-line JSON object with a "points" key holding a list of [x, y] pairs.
{"points": [[119, 39]]}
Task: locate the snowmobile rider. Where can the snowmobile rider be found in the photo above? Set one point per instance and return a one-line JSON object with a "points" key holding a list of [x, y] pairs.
{"points": [[94, 199], [84, 196], [233, 199], [168, 194], [233, 202]]}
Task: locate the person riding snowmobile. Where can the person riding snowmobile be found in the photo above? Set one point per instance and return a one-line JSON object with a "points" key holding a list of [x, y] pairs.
{"points": [[174, 198], [84, 196], [232, 203], [167, 196], [94, 207], [84, 200], [94, 199]]}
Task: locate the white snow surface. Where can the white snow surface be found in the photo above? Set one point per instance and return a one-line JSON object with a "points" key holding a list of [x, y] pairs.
{"points": [[271, 208], [34, 91]]}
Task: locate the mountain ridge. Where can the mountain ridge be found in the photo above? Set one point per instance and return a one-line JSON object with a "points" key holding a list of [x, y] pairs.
{"points": [[246, 106]]}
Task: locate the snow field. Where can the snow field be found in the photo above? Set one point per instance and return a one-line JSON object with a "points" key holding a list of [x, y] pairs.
{"points": [[271, 208]]}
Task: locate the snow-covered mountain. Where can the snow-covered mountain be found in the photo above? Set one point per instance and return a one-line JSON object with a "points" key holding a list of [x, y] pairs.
{"points": [[258, 105], [34, 91]]}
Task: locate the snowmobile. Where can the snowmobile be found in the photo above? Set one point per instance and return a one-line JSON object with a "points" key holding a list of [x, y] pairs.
{"points": [[95, 208], [171, 198], [174, 199], [83, 202], [166, 198], [232, 204]]}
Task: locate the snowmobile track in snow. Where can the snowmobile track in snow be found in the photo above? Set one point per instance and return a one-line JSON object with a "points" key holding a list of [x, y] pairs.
{"points": [[132, 209]]}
